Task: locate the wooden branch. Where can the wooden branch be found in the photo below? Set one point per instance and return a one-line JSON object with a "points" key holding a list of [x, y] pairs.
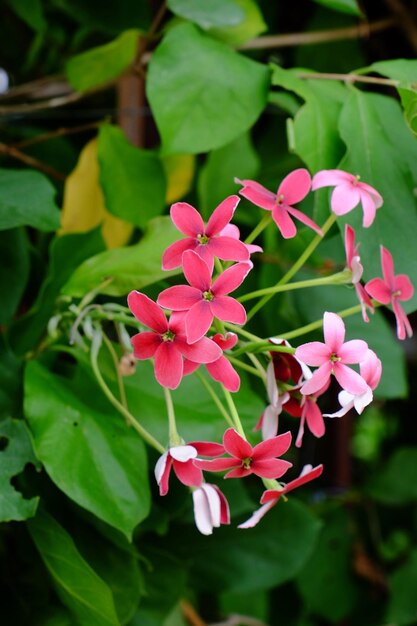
{"points": [[31, 162]]}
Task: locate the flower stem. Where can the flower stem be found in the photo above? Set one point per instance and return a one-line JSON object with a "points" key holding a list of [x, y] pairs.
{"points": [[245, 366], [234, 413], [265, 221], [215, 399], [116, 369], [340, 278], [263, 345], [258, 366], [297, 265], [114, 401], [240, 331], [319, 323], [174, 438]]}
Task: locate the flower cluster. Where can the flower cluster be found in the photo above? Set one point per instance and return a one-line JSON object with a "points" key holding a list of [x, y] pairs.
{"points": [[200, 323]]}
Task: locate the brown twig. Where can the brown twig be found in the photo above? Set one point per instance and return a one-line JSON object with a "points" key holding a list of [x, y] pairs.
{"points": [[404, 21], [363, 29], [190, 614], [31, 162], [350, 78], [60, 132]]}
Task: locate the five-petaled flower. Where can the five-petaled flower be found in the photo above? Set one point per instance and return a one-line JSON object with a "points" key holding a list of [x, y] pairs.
{"points": [[206, 240], [220, 370], [293, 189], [391, 289], [260, 459], [181, 460], [270, 497], [168, 342], [204, 300], [348, 192], [210, 508], [332, 357], [353, 262]]}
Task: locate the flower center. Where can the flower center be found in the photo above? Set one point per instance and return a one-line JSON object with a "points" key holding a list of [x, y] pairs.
{"points": [[168, 336], [207, 295], [280, 199], [203, 239], [334, 358], [246, 463], [357, 179]]}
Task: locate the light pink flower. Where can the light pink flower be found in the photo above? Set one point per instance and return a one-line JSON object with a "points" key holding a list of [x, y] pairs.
{"points": [[371, 370], [311, 415], [167, 343], [232, 231], [268, 422], [203, 300], [293, 189], [259, 460], [181, 460], [221, 370], [206, 240], [391, 289], [271, 496], [210, 508], [348, 193], [353, 262], [332, 357]]}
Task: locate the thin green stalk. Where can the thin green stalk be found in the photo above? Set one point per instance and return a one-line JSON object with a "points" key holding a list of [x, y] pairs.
{"points": [[115, 360], [262, 346], [174, 438], [258, 365], [118, 405], [297, 265], [245, 366], [340, 278], [215, 399], [89, 297], [319, 323], [234, 413], [129, 320], [265, 221], [241, 331]]}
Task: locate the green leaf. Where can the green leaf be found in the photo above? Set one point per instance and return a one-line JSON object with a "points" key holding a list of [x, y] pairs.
{"points": [[107, 17], [398, 69], [65, 254], [10, 381], [409, 102], [14, 271], [101, 463], [371, 154], [344, 6], [390, 485], [208, 13], [242, 561], [216, 181], [203, 94], [130, 268], [103, 63], [15, 452], [252, 25], [402, 604], [133, 180], [30, 11], [27, 199], [326, 582], [79, 587]]}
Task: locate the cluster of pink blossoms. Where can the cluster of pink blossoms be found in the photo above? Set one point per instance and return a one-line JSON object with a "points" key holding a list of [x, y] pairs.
{"points": [[187, 330]]}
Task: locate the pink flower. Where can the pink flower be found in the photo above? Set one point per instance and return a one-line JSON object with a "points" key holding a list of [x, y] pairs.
{"points": [[221, 370], [391, 289], [167, 343], [271, 496], [181, 460], [268, 422], [348, 193], [354, 264], [204, 300], [210, 508], [232, 231], [293, 189], [332, 357], [311, 414], [371, 370], [247, 460], [206, 240]]}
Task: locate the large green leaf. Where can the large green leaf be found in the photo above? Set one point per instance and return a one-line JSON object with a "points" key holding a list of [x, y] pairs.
{"points": [[87, 449], [253, 24], [27, 198], [15, 452], [371, 154], [326, 581], [390, 486], [208, 13], [246, 560], [108, 17], [402, 605], [130, 268], [133, 180], [344, 6], [203, 94], [103, 63], [14, 270], [10, 382], [216, 181], [84, 593]]}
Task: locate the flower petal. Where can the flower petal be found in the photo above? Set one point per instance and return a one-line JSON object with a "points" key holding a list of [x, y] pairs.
{"points": [[344, 198], [216, 465], [295, 186], [284, 222], [231, 279], [188, 473], [198, 320], [314, 418], [258, 515], [202, 515], [387, 264], [183, 453], [302, 217], [168, 365], [276, 446], [147, 311], [228, 249], [145, 345], [221, 216], [404, 286], [172, 257], [179, 297], [369, 208], [379, 290], [187, 219], [334, 331], [235, 445], [223, 372], [349, 379], [207, 448], [313, 353], [257, 194], [202, 351], [330, 178], [214, 503], [353, 351], [318, 380], [162, 472], [228, 309], [270, 468], [196, 270]]}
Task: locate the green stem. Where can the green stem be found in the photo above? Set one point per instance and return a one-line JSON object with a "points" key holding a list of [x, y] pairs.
{"points": [[262, 346], [119, 406], [115, 360], [233, 411], [297, 265], [258, 366], [265, 221], [245, 366], [319, 323], [116, 317], [174, 438], [241, 331], [340, 278], [89, 297], [215, 399]]}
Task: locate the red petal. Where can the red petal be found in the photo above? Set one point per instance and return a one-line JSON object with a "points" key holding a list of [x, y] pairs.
{"points": [[145, 345], [168, 365], [147, 311], [235, 445], [202, 351], [223, 372], [222, 215], [188, 473], [259, 195], [172, 257], [198, 320], [187, 219], [228, 309], [228, 249], [196, 270], [276, 446], [231, 279], [179, 297], [295, 186], [284, 222], [271, 468]]}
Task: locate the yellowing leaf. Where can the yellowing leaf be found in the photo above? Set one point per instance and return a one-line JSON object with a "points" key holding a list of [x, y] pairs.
{"points": [[179, 170], [83, 206]]}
